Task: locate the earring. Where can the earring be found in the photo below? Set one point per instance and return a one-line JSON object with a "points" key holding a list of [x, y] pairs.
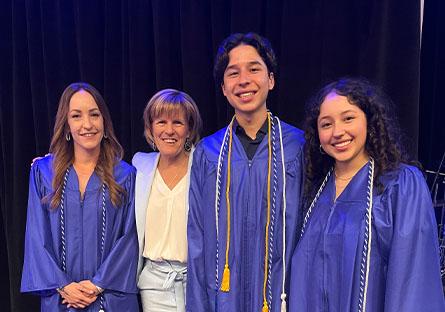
{"points": [[321, 150], [153, 146], [68, 136], [105, 135], [188, 145]]}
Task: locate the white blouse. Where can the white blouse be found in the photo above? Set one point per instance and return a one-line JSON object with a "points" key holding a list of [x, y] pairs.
{"points": [[166, 223]]}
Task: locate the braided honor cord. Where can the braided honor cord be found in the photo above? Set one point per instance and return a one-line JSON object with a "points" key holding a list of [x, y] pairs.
{"points": [[366, 254], [102, 243], [273, 208], [63, 232], [62, 220], [283, 170], [218, 196]]}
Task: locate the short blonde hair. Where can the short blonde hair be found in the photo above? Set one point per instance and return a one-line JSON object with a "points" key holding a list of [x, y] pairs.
{"points": [[171, 102]]}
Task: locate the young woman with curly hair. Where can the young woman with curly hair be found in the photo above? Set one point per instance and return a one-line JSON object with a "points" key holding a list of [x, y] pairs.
{"points": [[368, 239], [81, 243]]}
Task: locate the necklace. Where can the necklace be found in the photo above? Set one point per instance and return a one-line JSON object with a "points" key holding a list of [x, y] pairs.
{"points": [[179, 170], [341, 178]]}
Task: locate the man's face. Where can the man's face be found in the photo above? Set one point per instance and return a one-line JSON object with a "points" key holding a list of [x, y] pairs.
{"points": [[247, 81]]}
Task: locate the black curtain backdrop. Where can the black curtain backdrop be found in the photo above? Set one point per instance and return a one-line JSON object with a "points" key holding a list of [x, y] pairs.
{"points": [[432, 77], [131, 49]]}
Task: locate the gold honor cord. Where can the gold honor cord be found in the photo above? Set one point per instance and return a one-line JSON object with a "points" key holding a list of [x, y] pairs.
{"points": [[225, 283], [266, 240]]}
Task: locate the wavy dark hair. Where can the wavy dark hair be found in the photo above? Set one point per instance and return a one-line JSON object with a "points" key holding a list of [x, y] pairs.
{"points": [[383, 141], [111, 152], [261, 44]]}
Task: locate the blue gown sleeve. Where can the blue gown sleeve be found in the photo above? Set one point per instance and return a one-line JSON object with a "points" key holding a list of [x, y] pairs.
{"points": [[413, 275], [197, 300], [118, 270], [41, 271]]}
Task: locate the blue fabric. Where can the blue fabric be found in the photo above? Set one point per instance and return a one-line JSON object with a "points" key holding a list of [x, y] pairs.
{"points": [[116, 272], [404, 268], [248, 220]]}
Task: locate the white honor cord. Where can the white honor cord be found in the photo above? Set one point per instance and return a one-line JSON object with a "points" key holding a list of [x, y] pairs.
{"points": [[283, 292], [218, 175], [218, 197], [369, 216]]}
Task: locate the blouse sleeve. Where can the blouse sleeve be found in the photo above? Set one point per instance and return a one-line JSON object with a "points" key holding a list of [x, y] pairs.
{"points": [[413, 276], [118, 270], [41, 271]]}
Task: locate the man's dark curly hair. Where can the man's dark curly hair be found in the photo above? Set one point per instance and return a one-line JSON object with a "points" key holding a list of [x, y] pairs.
{"points": [[383, 134], [261, 44]]}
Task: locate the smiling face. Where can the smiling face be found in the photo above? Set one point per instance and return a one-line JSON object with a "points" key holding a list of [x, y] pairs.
{"points": [[247, 81], [342, 130], [169, 132], [85, 123]]}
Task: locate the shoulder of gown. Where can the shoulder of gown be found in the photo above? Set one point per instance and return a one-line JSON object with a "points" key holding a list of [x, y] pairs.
{"points": [[404, 174], [293, 142], [208, 148], [124, 173], [42, 174]]}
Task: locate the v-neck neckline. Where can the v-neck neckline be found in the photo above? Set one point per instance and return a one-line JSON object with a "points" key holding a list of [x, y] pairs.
{"points": [[164, 187], [352, 189]]}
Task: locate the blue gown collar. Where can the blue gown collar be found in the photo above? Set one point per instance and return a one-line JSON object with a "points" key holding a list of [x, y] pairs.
{"points": [[355, 191], [94, 182]]}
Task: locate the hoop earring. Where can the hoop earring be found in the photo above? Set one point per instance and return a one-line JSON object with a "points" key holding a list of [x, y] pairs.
{"points": [[105, 135], [322, 152], [68, 136], [188, 145]]}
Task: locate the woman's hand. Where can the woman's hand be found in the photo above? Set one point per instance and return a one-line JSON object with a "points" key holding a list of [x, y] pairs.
{"points": [[89, 285], [77, 296]]}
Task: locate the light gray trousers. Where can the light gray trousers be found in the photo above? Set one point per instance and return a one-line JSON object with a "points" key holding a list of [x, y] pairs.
{"points": [[162, 286]]}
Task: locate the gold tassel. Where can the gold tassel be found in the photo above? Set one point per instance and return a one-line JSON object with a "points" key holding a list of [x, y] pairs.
{"points": [[225, 284], [265, 307]]}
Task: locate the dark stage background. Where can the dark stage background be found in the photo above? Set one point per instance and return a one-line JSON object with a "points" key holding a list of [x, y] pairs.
{"points": [[130, 49]]}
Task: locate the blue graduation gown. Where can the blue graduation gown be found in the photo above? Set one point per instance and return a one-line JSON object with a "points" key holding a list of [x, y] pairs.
{"points": [[404, 268], [115, 271], [248, 220]]}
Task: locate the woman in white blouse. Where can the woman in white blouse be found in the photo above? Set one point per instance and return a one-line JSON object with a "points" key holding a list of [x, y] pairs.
{"points": [[172, 124]]}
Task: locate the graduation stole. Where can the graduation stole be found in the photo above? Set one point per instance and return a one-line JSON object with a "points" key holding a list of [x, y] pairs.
{"points": [[366, 253], [270, 216], [62, 228]]}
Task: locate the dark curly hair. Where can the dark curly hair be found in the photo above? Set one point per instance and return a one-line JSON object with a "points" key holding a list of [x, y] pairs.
{"points": [[383, 134], [261, 44]]}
